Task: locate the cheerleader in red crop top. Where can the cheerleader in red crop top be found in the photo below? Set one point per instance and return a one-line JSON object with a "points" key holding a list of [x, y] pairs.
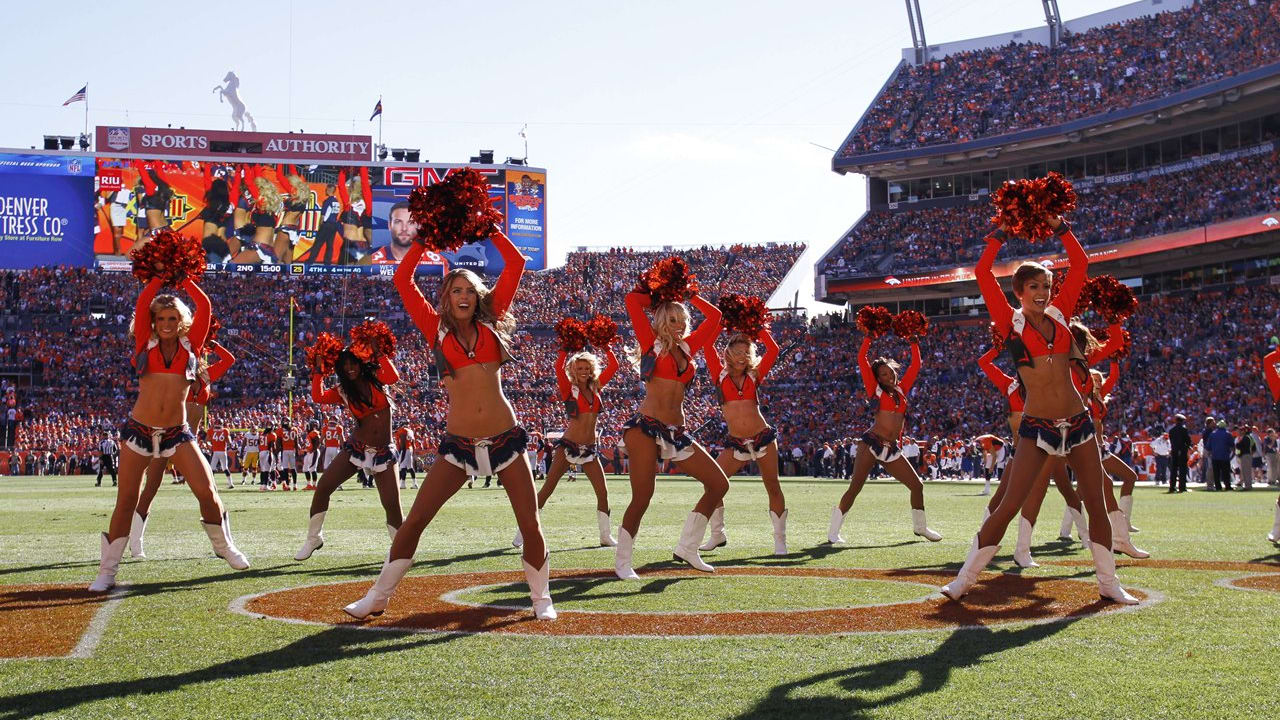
{"points": [[197, 400], [657, 432], [737, 375], [1096, 389], [363, 389], [879, 444], [579, 381], [1269, 363], [1055, 469], [167, 338], [156, 193], [468, 331], [1055, 420]]}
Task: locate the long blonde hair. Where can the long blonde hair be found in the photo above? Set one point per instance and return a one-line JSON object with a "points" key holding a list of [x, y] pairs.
{"points": [[662, 330], [753, 359], [301, 190], [588, 357], [168, 302], [503, 324], [355, 191], [268, 197]]}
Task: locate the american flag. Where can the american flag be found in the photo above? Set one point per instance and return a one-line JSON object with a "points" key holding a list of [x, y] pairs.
{"points": [[78, 97]]}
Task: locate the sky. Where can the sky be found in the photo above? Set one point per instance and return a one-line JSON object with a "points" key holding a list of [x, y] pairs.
{"points": [[659, 123]]}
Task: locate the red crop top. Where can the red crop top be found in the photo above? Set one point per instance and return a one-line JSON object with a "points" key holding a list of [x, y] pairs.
{"points": [[387, 375], [448, 350], [895, 401], [727, 389], [147, 355], [1269, 363], [575, 401], [1007, 384], [202, 394], [1024, 346], [657, 362]]}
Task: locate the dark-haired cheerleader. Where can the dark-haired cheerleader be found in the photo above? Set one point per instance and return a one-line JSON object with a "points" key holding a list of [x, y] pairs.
{"points": [[362, 389], [879, 444]]}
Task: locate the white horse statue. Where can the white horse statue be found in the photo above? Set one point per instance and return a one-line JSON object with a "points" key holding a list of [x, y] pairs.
{"points": [[230, 90]]}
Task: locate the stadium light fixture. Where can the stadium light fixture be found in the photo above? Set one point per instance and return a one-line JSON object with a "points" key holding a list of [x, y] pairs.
{"points": [[1075, 136], [412, 154], [397, 154], [993, 152], [1149, 118], [382, 152], [1232, 95]]}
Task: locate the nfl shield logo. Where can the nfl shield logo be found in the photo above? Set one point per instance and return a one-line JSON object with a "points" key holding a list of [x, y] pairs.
{"points": [[118, 138], [74, 167]]}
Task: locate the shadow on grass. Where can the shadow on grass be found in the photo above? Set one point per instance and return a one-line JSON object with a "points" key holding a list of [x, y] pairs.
{"points": [[330, 645], [869, 689]]}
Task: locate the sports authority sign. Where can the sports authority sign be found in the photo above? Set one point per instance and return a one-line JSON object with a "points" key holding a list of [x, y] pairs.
{"points": [[241, 145]]}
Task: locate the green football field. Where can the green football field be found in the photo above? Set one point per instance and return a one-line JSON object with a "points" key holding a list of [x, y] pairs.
{"points": [[170, 645]]}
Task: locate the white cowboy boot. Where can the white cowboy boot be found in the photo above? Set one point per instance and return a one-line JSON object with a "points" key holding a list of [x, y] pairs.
{"points": [[1120, 541], [695, 525], [539, 590], [518, 540], [920, 526], [1022, 550], [718, 537], [315, 537], [978, 559], [837, 522], [136, 531], [622, 556], [1126, 506], [1274, 535], [109, 564], [391, 531], [375, 601], [1104, 566], [606, 537], [1064, 531], [779, 531], [223, 546]]}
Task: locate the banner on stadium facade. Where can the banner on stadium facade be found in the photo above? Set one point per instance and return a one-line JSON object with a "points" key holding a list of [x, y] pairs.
{"points": [[524, 217], [45, 211], [526, 214], [233, 144], [1217, 232]]}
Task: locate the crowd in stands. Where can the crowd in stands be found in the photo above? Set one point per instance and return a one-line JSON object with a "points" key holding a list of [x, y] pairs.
{"points": [[1196, 354], [999, 90], [926, 239]]}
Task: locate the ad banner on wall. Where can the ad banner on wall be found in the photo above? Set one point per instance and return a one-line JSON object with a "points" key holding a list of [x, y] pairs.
{"points": [[46, 210]]}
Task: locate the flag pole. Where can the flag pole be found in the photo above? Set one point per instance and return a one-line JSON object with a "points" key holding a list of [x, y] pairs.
{"points": [[379, 120], [86, 109]]}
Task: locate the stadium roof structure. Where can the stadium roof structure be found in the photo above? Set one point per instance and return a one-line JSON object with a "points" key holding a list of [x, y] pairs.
{"points": [[1254, 92]]}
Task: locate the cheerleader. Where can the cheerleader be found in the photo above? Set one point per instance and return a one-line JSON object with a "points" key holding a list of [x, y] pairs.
{"points": [[364, 371], [357, 213], [578, 383], [166, 339], [156, 194], [197, 403], [1055, 422], [1269, 363], [217, 203], [1095, 389], [656, 432], [298, 192], [879, 444], [469, 333], [737, 376]]}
